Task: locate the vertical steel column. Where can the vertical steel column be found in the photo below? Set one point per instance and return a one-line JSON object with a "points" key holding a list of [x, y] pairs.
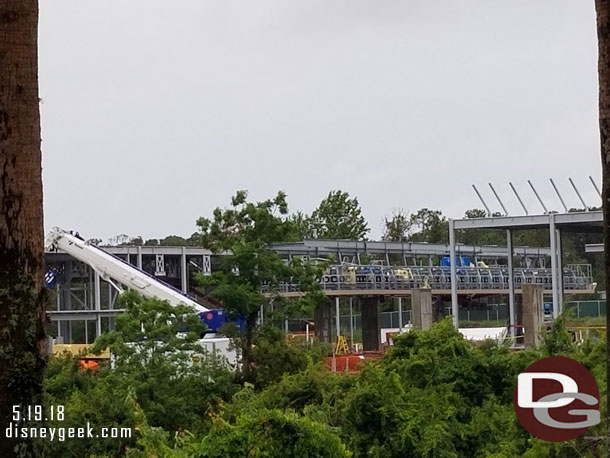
{"points": [[511, 283], [184, 271], [110, 298], [58, 297], [338, 316], [560, 270], [453, 267], [351, 322], [554, 286], [140, 257], [98, 302], [400, 314]]}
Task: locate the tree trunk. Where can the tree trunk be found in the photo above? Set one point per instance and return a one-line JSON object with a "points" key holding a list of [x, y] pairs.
{"points": [[246, 349], [603, 67], [21, 223]]}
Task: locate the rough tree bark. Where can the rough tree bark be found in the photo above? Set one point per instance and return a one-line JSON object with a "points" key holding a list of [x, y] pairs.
{"points": [[21, 220], [602, 8]]}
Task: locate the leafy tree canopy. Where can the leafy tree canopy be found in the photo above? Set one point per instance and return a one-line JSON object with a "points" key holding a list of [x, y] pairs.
{"points": [[244, 232], [337, 217], [397, 227]]}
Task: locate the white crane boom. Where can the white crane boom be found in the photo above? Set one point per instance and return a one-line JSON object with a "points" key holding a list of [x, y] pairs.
{"points": [[110, 268]]}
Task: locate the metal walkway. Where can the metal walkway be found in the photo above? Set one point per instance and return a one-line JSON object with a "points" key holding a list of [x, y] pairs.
{"points": [[352, 280]]}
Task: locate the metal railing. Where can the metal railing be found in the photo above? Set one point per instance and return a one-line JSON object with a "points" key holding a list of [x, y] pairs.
{"points": [[492, 312], [351, 277], [587, 309]]}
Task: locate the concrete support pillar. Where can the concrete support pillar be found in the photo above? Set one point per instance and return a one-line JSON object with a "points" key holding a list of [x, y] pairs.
{"points": [[533, 314], [139, 258], [322, 319], [421, 308], [371, 334]]}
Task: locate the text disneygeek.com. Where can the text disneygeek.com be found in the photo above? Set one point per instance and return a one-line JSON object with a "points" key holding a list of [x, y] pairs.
{"points": [[38, 413]]}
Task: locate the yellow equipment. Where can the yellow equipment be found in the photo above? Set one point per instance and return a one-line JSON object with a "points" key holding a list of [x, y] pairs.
{"points": [[341, 348]]}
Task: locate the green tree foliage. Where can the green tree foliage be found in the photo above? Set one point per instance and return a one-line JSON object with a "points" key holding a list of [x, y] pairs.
{"points": [[155, 325], [160, 375], [475, 213], [273, 356], [244, 232], [397, 228], [429, 226], [302, 224], [434, 394], [272, 433], [480, 236], [337, 217], [255, 433]]}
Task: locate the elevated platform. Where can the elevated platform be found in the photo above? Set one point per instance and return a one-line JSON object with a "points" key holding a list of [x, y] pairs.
{"points": [[407, 292]]}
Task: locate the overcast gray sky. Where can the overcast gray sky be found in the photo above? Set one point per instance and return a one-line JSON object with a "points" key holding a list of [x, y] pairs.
{"points": [[155, 112]]}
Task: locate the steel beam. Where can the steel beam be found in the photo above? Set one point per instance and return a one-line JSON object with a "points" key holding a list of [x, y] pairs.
{"points": [[184, 270], [164, 250], [338, 317], [594, 248], [410, 249], [531, 221], [553, 237], [98, 302], [400, 314], [558, 282], [80, 315], [454, 294], [351, 322], [511, 283]]}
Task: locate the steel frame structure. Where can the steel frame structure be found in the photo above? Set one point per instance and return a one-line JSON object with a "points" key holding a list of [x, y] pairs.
{"points": [[414, 250], [585, 221], [87, 278]]}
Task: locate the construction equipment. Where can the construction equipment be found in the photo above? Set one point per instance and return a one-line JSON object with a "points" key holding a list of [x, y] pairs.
{"points": [[341, 347], [118, 272]]}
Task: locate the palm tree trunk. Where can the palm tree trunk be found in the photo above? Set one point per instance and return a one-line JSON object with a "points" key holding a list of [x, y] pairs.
{"points": [[21, 221], [603, 37]]}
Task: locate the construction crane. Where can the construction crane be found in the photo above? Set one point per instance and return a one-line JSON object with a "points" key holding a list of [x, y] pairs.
{"points": [[118, 272]]}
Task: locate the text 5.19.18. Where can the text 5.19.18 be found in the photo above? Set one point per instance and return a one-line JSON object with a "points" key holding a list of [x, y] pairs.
{"points": [[37, 413]]}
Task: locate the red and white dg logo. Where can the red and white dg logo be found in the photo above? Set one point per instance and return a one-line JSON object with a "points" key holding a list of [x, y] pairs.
{"points": [[556, 399]]}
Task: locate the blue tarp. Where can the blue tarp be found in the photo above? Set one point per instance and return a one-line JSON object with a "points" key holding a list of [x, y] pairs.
{"points": [[462, 261]]}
